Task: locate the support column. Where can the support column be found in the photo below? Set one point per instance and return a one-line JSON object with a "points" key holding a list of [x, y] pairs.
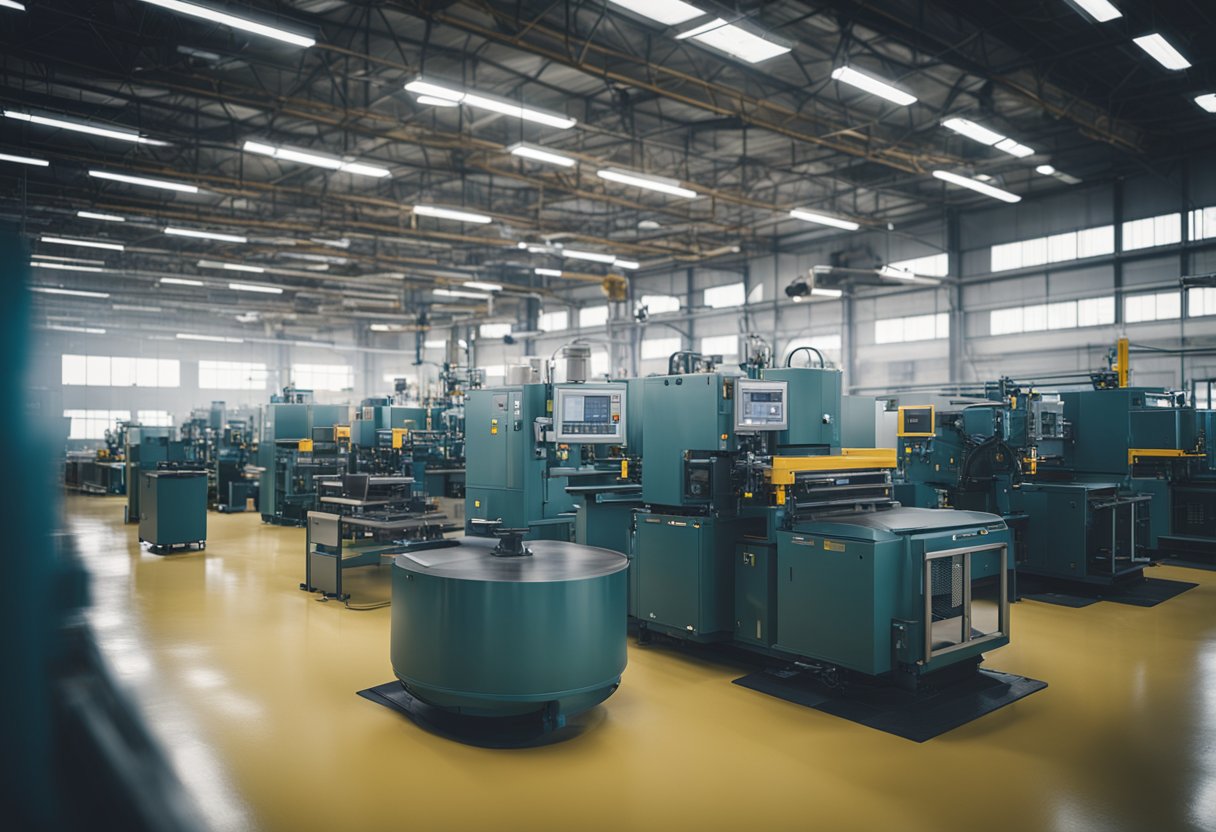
{"points": [[958, 320]]}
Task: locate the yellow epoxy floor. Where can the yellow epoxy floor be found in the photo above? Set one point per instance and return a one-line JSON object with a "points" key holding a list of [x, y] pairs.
{"points": [[250, 684]]}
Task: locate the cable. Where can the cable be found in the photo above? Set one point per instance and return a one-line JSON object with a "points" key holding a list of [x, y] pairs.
{"points": [[796, 350]]}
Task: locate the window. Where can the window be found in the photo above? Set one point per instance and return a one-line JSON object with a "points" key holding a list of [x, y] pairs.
{"points": [[155, 418], [660, 347], [1056, 248], [756, 295], [1157, 306], [1162, 230], [1202, 224], [495, 373], [323, 376], [93, 424], [590, 316], [493, 330], [599, 364], [913, 328], [724, 345], [828, 344], [935, 265], [1201, 301], [107, 371], [658, 304], [1068, 314], [231, 375], [553, 321], [721, 297]]}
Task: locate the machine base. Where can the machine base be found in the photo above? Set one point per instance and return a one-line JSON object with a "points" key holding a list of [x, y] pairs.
{"points": [[1148, 592], [525, 731], [913, 716], [175, 548]]}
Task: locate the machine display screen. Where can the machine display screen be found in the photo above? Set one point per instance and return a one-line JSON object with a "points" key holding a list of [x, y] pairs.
{"points": [[761, 405], [591, 409], [588, 414], [916, 421]]}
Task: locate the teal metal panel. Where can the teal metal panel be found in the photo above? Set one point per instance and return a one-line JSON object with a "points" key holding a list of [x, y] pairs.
{"points": [[755, 590], [685, 574], [814, 407], [858, 422], [173, 508], [682, 413]]}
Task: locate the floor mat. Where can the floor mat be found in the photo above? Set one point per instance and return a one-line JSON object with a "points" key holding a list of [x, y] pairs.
{"points": [[914, 717], [1189, 564], [1061, 599], [485, 732], [1148, 592]]}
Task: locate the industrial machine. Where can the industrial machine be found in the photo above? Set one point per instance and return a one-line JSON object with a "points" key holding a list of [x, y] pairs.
{"points": [[102, 470], [299, 444], [148, 448], [173, 508]]}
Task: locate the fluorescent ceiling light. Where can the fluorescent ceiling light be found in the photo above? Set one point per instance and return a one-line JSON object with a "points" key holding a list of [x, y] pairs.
{"points": [[485, 287], [199, 234], [12, 4], [893, 273], [88, 330], [1099, 10], [538, 154], [434, 345], [244, 24], [456, 293], [824, 219], [593, 256], [978, 187], [1014, 148], [124, 307], [734, 40], [253, 287], [76, 293], [188, 336], [320, 160], [431, 101], [83, 127], [89, 215], [667, 12], [1162, 51], [342, 242], [1207, 101], [41, 264], [626, 264], [450, 214], [649, 183], [872, 85], [232, 267], [1046, 170], [163, 184], [181, 281], [423, 87], [548, 272], [386, 327], [826, 293], [972, 131], [24, 160], [84, 260], [67, 241]]}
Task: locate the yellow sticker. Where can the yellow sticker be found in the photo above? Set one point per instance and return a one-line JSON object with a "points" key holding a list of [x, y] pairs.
{"points": [[833, 546]]}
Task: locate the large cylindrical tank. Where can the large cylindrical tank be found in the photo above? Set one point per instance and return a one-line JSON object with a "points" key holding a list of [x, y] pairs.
{"points": [[485, 635]]}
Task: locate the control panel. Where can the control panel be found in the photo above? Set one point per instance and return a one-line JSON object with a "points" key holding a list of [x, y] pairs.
{"points": [[916, 420], [761, 405], [590, 413]]}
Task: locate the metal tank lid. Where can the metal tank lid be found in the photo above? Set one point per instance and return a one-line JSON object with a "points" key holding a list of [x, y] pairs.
{"points": [[550, 561]]}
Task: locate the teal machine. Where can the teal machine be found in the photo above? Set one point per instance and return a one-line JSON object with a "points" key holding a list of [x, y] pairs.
{"points": [[299, 444], [173, 509], [988, 454], [425, 442], [760, 531], [148, 448]]}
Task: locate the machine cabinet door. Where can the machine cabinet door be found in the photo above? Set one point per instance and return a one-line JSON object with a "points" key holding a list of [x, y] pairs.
{"points": [[668, 560]]}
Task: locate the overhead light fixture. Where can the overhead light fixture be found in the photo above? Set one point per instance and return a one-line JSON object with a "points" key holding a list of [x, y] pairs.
{"points": [[539, 154], [593, 256], [650, 183], [320, 160], [342, 242], [232, 267], [84, 260], [200, 234], [254, 287], [24, 160], [485, 287], [124, 307], [432, 101], [181, 281], [386, 327], [1046, 170], [162, 184], [1100, 10], [42, 264], [973, 131], [874, 86], [87, 330], [68, 241], [626, 264], [824, 219], [1013, 148], [735, 40], [826, 293], [84, 127], [548, 272], [892, 273], [457, 293], [1207, 101], [478, 101], [219, 339], [76, 293], [978, 187], [667, 12], [1162, 51], [89, 215], [225, 19], [450, 214], [12, 4]]}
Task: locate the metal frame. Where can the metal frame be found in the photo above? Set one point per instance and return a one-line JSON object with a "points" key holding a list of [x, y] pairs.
{"points": [[927, 589]]}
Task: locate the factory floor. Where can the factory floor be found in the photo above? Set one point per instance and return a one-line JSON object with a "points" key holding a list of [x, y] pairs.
{"points": [[250, 685]]}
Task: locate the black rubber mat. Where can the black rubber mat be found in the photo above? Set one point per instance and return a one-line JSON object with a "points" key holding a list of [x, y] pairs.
{"points": [[1189, 564], [523, 731], [917, 717], [1061, 599], [1148, 592]]}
